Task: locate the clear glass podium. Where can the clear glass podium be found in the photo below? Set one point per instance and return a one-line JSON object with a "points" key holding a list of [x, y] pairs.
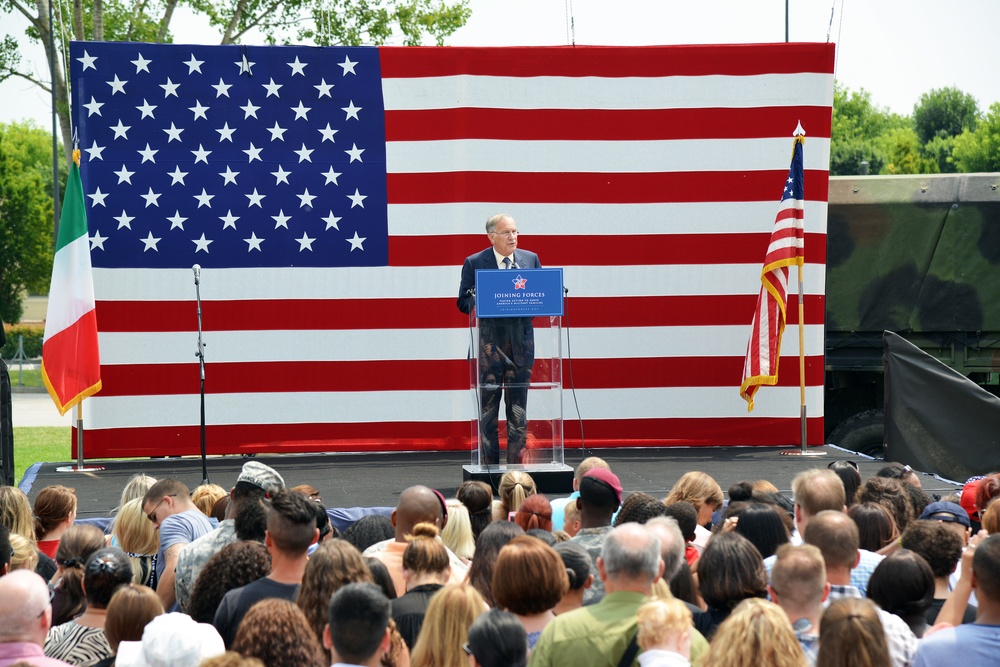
{"points": [[526, 434]]}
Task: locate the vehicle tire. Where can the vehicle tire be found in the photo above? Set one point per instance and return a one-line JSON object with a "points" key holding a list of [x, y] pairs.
{"points": [[863, 433]]}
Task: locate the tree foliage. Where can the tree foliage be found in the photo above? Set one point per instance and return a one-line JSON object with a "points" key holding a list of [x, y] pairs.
{"points": [[25, 214], [944, 112], [857, 132], [980, 150]]}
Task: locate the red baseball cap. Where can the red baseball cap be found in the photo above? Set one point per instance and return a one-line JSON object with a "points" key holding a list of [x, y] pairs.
{"points": [[608, 478]]}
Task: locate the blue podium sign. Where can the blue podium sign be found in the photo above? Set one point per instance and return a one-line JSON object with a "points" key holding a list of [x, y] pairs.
{"points": [[519, 292]]}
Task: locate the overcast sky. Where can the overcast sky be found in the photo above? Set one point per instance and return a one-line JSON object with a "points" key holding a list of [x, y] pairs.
{"points": [[895, 49]]}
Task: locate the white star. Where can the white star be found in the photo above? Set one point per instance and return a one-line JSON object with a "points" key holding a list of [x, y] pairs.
{"points": [[297, 67], [281, 220], [357, 199], [124, 220], [331, 221], [177, 221], [88, 61], [94, 152], [201, 244], [355, 153], [249, 110], [121, 131], [221, 88], [201, 155], [253, 243], [229, 175], [253, 153], [174, 133], [352, 111], [117, 86], [151, 198], [276, 132], [150, 242], [97, 241], [272, 88], [324, 88], [124, 175], [328, 133], [93, 107], [194, 65], [280, 176], [147, 155], [357, 242], [146, 109], [141, 65], [97, 199], [204, 199], [305, 243], [331, 176], [245, 65], [301, 111], [169, 88], [348, 66], [177, 176], [226, 133], [199, 111], [306, 199], [255, 199], [229, 220], [304, 154]]}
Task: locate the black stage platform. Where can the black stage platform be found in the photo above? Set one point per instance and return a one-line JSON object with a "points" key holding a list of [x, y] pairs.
{"points": [[375, 480]]}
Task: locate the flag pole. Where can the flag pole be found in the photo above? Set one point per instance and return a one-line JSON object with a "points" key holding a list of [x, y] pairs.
{"points": [[80, 465]]}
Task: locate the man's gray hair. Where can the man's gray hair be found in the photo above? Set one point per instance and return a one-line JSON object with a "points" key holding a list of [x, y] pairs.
{"points": [[24, 595], [671, 543], [631, 552], [492, 223]]}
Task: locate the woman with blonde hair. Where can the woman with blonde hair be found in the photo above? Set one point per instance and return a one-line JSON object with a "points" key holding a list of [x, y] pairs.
{"points": [[426, 570], [25, 556], [851, 635], [138, 537], [204, 497], [15, 513], [756, 633], [55, 512], [457, 534], [136, 487], [705, 494], [515, 487], [446, 627]]}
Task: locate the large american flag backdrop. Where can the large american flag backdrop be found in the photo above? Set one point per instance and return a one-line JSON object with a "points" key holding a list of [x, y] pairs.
{"points": [[331, 194]]}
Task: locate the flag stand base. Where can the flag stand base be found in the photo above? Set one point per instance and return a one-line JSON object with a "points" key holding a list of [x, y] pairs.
{"points": [[79, 468], [799, 452]]}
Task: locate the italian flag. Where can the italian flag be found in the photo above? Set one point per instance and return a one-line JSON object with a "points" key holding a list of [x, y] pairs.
{"points": [[71, 363]]}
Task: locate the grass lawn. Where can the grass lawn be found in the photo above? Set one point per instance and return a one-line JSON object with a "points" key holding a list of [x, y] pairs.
{"points": [[41, 443], [28, 377]]}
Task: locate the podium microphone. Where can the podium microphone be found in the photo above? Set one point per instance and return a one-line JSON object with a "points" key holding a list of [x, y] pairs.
{"points": [[197, 273]]}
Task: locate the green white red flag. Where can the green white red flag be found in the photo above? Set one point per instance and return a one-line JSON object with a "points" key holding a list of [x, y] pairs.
{"points": [[71, 364]]}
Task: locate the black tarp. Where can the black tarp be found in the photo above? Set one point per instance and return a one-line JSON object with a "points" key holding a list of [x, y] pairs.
{"points": [[936, 419]]}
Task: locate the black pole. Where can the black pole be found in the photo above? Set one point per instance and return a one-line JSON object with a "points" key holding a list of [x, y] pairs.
{"points": [[201, 367], [786, 21], [55, 131]]}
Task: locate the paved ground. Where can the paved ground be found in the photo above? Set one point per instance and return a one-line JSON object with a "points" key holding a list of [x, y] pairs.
{"points": [[37, 409]]}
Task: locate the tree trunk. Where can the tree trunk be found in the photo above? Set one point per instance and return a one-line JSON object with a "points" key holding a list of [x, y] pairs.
{"points": [[98, 20], [227, 38], [168, 12], [78, 21]]}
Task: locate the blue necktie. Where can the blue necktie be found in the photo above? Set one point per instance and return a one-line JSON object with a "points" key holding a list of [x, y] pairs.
{"points": [[506, 262]]}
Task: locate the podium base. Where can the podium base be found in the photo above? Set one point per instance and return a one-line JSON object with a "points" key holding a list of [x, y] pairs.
{"points": [[549, 477]]}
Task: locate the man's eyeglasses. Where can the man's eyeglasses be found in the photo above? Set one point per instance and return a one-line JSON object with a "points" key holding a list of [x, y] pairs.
{"points": [[506, 235], [152, 513], [465, 647]]}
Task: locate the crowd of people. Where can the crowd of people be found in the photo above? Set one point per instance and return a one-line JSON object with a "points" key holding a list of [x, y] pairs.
{"points": [[847, 571]]}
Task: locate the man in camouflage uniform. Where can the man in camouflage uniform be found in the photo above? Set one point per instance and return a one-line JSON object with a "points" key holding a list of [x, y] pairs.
{"points": [[246, 519], [600, 497]]}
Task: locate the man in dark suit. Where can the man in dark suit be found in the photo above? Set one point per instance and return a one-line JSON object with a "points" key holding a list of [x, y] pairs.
{"points": [[506, 345]]}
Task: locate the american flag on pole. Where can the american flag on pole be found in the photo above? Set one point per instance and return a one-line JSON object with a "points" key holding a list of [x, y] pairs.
{"points": [[331, 194], [785, 249]]}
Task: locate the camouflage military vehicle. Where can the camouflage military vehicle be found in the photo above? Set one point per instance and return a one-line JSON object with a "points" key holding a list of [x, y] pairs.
{"points": [[919, 256]]}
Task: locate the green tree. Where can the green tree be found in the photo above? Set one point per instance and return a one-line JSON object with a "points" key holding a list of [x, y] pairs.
{"points": [[904, 154], [944, 112], [979, 150], [25, 214], [323, 22], [856, 132]]}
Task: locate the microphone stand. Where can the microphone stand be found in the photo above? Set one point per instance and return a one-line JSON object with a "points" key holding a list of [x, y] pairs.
{"points": [[201, 366]]}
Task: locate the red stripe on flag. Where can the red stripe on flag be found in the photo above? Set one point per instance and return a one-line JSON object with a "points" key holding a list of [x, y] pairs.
{"points": [[592, 188], [70, 358], [602, 124], [608, 61]]}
